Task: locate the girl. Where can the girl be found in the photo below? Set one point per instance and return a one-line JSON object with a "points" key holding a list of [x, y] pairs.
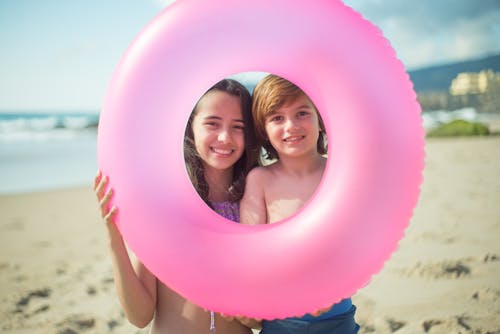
{"points": [[290, 130], [218, 152]]}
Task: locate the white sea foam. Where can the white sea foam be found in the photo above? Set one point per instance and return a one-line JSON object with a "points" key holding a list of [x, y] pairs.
{"points": [[44, 126], [41, 151], [432, 119]]}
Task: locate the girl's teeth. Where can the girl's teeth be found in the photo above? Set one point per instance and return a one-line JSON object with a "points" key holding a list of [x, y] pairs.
{"points": [[216, 150]]}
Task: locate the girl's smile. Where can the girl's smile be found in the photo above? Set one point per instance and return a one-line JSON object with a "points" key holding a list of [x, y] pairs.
{"points": [[218, 129], [222, 152]]}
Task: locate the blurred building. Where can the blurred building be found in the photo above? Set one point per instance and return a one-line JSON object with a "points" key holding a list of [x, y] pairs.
{"points": [[475, 83], [480, 90]]}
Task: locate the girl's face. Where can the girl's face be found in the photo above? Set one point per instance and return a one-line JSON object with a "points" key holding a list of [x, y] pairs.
{"points": [[293, 130], [218, 130]]}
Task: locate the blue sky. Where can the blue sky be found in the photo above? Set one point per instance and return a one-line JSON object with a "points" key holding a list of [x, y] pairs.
{"points": [[59, 55]]}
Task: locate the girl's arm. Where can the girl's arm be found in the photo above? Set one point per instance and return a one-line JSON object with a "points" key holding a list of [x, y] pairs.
{"points": [[253, 208], [135, 285]]}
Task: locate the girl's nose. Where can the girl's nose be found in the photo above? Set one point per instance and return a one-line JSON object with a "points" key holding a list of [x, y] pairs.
{"points": [[224, 136]]}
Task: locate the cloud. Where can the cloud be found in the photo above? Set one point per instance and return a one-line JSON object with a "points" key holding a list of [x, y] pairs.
{"points": [[428, 32], [425, 11]]}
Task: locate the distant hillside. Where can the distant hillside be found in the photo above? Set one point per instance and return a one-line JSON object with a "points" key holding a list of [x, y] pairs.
{"points": [[439, 77]]}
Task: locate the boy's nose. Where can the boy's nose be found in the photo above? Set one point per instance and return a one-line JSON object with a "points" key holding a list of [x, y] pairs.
{"points": [[290, 124]]}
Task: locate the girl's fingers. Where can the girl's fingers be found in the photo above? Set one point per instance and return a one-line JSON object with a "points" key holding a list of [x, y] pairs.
{"points": [[97, 179], [109, 218], [104, 196], [101, 186], [108, 195], [105, 201]]}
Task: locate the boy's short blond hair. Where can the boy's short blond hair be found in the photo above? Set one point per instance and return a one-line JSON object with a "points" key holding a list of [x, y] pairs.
{"points": [[271, 93]]}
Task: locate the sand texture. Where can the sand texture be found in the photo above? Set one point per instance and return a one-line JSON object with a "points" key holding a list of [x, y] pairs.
{"points": [[55, 271]]}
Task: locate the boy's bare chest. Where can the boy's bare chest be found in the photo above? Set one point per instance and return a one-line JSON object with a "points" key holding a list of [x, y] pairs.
{"points": [[285, 196]]}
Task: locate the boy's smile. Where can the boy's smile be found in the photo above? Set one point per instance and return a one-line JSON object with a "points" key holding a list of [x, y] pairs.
{"points": [[293, 139], [293, 129]]}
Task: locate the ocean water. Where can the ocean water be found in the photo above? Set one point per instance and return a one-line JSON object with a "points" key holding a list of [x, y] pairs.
{"points": [[47, 150], [43, 150]]}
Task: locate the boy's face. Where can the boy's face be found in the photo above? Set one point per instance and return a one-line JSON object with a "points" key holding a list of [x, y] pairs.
{"points": [[293, 130]]}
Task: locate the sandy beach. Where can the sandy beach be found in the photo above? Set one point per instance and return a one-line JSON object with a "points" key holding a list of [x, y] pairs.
{"points": [[55, 272]]}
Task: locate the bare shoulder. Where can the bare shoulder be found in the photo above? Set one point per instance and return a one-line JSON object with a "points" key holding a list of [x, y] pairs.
{"points": [[253, 205], [259, 174]]}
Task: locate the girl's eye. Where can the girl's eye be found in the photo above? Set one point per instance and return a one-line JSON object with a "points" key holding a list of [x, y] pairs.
{"points": [[211, 124], [239, 127], [303, 114]]}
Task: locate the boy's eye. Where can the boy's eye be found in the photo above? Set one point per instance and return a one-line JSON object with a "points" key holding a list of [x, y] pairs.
{"points": [[276, 118], [303, 113]]}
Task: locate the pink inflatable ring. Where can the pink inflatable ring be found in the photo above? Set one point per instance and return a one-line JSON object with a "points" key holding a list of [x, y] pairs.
{"points": [[343, 236]]}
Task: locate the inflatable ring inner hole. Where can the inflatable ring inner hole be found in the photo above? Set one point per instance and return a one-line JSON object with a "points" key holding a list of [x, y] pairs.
{"points": [[202, 110]]}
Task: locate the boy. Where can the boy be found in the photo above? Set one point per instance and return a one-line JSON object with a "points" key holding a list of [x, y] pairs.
{"points": [[290, 130]]}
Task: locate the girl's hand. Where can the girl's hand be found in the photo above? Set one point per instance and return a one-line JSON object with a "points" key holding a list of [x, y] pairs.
{"points": [[104, 194]]}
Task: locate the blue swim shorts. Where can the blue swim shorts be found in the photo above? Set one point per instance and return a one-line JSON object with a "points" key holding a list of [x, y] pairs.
{"points": [[340, 324]]}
